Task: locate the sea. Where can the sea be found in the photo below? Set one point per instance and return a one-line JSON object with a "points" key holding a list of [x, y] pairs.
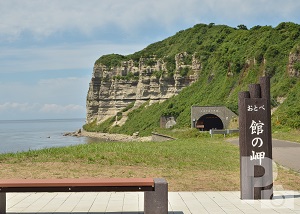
{"points": [[24, 135]]}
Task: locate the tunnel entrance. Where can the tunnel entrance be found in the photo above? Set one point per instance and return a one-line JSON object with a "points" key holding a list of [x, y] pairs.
{"points": [[209, 121]]}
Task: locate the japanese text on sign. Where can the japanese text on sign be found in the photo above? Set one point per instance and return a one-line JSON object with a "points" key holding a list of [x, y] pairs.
{"points": [[256, 128], [255, 108]]}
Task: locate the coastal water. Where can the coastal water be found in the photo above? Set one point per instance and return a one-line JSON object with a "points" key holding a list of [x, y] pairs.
{"points": [[24, 135]]}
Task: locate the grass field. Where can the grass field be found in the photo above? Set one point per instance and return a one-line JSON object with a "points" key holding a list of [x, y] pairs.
{"points": [[182, 162], [292, 135], [191, 164]]}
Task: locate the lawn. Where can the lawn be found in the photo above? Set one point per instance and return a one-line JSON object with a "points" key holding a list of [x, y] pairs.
{"points": [[292, 135], [192, 164]]}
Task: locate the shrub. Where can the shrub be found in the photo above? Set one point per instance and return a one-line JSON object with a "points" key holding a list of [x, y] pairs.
{"points": [[184, 71], [296, 66], [110, 60]]}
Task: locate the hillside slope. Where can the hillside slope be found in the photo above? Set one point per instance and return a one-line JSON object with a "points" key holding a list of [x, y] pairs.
{"points": [[230, 58]]}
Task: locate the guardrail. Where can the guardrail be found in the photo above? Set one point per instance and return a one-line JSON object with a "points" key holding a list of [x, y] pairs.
{"points": [[222, 131]]}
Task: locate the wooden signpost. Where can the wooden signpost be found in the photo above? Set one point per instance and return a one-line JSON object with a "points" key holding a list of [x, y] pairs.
{"points": [[255, 141]]}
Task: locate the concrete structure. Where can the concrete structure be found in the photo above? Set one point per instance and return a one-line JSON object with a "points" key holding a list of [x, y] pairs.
{"points": [[167, 122], [211, 117], [157, 201], [156, 137], [133, 203]]}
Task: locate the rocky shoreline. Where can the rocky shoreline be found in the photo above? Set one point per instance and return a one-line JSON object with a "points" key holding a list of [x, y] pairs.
{"points": [[108, 136]]}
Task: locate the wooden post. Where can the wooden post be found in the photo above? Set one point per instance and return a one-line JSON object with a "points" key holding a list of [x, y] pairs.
{"points": [[255, 141]]}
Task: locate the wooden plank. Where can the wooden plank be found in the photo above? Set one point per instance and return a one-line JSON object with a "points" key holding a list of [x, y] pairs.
{"points": [[79, 189], [76, 182]]}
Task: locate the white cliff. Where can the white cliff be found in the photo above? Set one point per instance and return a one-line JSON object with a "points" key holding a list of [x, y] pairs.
{"points": [[112, 89]]}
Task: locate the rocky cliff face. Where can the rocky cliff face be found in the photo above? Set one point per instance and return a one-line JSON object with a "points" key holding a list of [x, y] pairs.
{"points": [[112, 89], [294, 63]]}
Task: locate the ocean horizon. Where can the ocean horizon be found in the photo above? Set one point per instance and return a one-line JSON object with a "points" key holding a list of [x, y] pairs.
{"points": [[34, 134]]}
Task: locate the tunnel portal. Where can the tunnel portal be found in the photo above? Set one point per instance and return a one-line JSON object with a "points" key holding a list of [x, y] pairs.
{"points": [[205, 118], [209, 121]]}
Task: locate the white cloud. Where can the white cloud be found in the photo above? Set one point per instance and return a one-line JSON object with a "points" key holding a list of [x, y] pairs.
{"points": [[63, 90], [46, 98], [22, 107], [36, 107], [15, 110], [44, 17], [72, 56], [61, 35], [54, 90], [54, 108]]}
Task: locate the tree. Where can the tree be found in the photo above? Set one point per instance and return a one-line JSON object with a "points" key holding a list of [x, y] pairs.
{"points": [[242, 27]]}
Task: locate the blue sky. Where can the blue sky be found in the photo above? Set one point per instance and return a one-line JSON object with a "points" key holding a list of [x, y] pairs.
{"points": [[48, 47]]}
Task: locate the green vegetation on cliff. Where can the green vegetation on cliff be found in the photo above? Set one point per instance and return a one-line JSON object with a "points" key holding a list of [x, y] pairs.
{"points": [[231, 58]]}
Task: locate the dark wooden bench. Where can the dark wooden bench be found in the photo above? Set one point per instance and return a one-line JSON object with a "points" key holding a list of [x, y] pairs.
{"points": [[155, 190]]}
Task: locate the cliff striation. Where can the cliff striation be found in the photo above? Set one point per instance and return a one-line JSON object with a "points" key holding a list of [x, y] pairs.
{"points": [[294, 63], [112, 88]]}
